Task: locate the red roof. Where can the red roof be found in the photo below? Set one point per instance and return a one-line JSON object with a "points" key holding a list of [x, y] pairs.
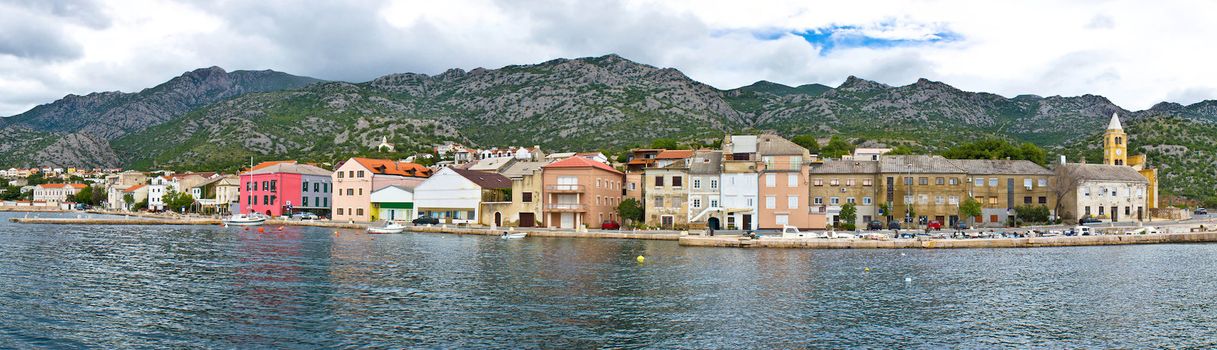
{"points": [[270, 163], [580, 162], [675, 154], [134, 188], [388, 167], [76, 186]]}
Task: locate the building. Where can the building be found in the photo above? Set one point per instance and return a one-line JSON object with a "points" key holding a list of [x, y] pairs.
{"points": [[161, 186], [1114, 193], [393, 203], [526, 208], [837, 183], [783, 171], [355, 179], [284, 188], [705, 176], [740, 182], [137, 193], [871, 154], [1001, 186], [53, 194], [1115, 152], [218, 195], [462, 196], [665, 193], [580, 192]]}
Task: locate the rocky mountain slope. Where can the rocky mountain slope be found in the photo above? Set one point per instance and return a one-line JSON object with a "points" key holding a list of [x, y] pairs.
{"points": [[77, 130], [604, 102]]}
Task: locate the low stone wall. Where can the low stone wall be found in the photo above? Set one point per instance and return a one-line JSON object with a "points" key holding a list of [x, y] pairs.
{"points": [[43, 209], [812, 243], [548, 233], [174, 221]]}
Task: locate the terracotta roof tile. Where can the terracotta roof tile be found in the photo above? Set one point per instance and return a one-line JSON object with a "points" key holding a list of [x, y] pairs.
{"points": [[389, 167], [580, 162], [675, 154]]}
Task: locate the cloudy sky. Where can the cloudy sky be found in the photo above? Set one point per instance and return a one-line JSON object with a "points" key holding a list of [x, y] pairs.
{"points": [[1135, 52]]}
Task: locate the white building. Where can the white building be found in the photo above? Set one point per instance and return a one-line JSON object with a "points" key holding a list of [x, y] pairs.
{"points": [[705, 189], [740, 182], [1107, 192], [455, 195], [56, 193], [393, 203]]}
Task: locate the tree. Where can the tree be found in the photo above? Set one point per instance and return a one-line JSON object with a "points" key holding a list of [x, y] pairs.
{"points": [[996, 149], [84, 196], [1065, 182], [849, 214], [176, 201], [141, 205], [99, 196], [128, 200], [1032, 213], [807, 141], [630, 209], [970, 208], [901, 150], [885, 209], [665, 143], [836, 148]]}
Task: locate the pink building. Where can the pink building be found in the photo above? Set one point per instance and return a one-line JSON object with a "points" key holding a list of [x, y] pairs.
{"points": [[285, 187], [580, 191]]}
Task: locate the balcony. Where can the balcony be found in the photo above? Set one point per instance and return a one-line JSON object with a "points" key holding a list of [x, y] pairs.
{"points": [[561, 207], [564, 188]]}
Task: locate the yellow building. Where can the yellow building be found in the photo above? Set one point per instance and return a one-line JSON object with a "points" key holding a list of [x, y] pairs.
{"points": [[1115, 152]]}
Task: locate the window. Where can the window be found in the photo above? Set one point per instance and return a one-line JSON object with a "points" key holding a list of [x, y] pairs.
{"points": [[850, 182], [265, 200], [677, 181], [1027, 200], [792, 180], [993, 200], [248, 186], [867, 201], [817, 182], [325, 187], [1088, 210], [782, 219], [272, 185], [980, 181], [1102, 191], [923, 181], [1043, 200], [272, 200], [714, 203], [748, 201], [351, 174], [818, 200], [908, 199], [1043, 182], [659, 181], [867, 182], [993, 182], [360, 191], [597, 183], [360, 173], [834, 182], [713, 184], [834, 200], [939, 181], [1127, 211], [633, 186], [659, 202], [850, 200], [771, 180], [1119, 140], [697, 183], [360, 210], [1101, 210], [953, 200], [265, 186], [350, 191], [325, 201], [696, 201], [676, 202], [1086, 191], [340, 209], [340, 176], [923, 199], [953, 181], [1027, 183], [792, 202], [771, 202], [304, 202], [939, 200], [526, 197], [908, 181]]}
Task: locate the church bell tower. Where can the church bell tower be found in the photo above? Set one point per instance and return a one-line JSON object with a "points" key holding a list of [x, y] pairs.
{"points": [[1115, 143]]}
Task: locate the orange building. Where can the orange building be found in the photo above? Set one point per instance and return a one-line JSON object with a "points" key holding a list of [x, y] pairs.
{"points": [[578, 191]]}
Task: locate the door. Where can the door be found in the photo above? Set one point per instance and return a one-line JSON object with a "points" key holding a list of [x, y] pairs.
{"points": [[568, 220], [527, 220], [747, 222], [941, 220], [1115, 214], [498, 219], [713, 224], [666, 221]]}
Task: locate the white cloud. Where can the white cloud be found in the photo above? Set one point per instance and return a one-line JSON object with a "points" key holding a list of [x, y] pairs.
{"points": [[1135, 53]]}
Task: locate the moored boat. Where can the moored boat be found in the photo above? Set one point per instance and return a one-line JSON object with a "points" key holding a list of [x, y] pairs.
{"points": [[244, 220], [391, 227], [516, 235]]}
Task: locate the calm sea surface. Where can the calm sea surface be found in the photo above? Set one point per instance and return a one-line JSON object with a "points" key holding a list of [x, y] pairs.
{"points": [[198, 286]]}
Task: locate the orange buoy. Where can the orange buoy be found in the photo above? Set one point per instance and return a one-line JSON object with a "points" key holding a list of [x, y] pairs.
{"points": [[280, 228], [260, 230], [247, 229]]}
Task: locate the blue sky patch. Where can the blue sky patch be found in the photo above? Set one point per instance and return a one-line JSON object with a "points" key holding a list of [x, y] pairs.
{"points": [[882, 35]]}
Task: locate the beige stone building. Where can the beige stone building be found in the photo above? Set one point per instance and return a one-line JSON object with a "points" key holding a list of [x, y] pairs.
{"points": [[666, 191], [834, 183], [580, 192]]}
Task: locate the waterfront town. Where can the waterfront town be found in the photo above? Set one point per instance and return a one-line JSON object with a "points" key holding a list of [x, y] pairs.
{"points": [[751, 183]]}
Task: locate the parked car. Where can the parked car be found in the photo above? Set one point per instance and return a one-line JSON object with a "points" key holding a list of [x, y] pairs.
{"points": [[610, 225], [874, 225], [893, 225], [1202, 211], [961, 226], [425, 220], [1088, 220], [304, 216], [934, 225]]}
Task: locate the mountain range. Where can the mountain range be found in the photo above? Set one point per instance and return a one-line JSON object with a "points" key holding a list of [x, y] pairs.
{"points": [[211, 119]]}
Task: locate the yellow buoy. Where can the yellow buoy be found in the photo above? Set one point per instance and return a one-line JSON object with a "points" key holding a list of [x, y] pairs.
{"points": [[641, 259], [867, 269]]}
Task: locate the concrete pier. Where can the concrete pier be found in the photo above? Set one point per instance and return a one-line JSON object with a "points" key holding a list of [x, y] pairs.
{"points": [[173, 221], [814, 243], [549, 233]]}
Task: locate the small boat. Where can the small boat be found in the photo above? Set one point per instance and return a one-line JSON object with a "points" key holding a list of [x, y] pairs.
{"points": [[391, 227], [516, 235], [244, 220]]}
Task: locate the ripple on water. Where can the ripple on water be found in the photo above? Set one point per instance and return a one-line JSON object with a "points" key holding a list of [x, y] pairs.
{"points": [[160, 286]]}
